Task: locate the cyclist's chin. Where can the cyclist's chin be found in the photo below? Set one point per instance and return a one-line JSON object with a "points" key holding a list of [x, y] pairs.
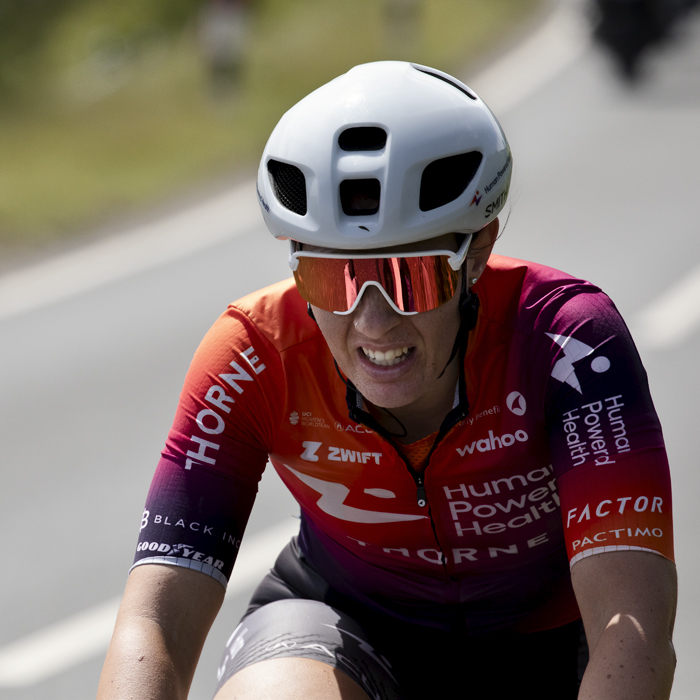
{"points": [[391, 397], [391, 386]]}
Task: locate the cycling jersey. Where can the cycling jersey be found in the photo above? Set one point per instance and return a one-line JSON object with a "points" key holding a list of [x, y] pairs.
{"points": [[552, 452]]}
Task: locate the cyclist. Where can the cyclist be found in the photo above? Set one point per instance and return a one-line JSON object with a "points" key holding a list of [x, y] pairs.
{"points": [[470, 437], [629, 28]]}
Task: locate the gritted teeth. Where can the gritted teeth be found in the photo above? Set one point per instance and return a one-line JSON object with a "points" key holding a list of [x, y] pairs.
{"points": [[389, 357]]}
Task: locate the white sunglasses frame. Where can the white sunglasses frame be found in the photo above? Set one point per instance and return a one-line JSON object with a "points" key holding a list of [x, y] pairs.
{"points": [[455, 261]]}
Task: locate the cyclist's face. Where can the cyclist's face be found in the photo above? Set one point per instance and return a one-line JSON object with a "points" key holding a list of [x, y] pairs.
{"points": [[395, 360]]}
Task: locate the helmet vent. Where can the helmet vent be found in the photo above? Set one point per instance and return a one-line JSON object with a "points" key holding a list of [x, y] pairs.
{"points": [[360, 197], [444, 180], [289, 184], [362, 138], [447, 80]]}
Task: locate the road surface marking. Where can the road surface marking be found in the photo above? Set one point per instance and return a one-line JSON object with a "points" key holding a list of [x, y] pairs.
{"points": [[145, 247], [83, 636]]}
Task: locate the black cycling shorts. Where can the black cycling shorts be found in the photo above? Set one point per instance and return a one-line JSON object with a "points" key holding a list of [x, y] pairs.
{"points": [[293, 613]]}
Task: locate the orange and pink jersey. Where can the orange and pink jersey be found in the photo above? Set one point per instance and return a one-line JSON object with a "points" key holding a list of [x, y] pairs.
{"points": [[553, 452]]}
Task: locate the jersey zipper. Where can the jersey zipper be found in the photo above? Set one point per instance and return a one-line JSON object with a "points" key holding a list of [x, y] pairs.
{"points": [[421, 496], [457, 414]]}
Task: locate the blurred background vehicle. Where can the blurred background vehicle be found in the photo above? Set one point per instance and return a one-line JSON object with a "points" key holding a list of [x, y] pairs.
{"points": [[630, 28]]}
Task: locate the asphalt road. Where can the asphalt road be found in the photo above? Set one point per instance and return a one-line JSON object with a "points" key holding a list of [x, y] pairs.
{"points": [[605, 188]]}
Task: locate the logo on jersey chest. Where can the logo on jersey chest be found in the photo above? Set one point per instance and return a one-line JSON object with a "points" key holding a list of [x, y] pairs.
{"points": [[348, 428], [493, 442], [517, 405], [333, 496], [308, 420], [338, 454]]}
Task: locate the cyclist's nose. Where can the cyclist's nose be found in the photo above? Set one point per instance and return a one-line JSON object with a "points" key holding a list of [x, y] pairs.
{"points": [[374, 317]]}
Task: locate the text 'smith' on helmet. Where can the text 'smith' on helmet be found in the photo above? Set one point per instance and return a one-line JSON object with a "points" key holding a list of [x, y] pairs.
{"points": [[387, 154]]}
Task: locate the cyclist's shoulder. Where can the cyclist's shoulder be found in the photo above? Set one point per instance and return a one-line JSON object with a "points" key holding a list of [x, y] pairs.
{"points": [[267, 298], [275, 315], [527, 293], [527, 277]]}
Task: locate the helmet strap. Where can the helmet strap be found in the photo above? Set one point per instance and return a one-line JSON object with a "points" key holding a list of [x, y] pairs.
{"points": [[468, 313], [310, 311]]}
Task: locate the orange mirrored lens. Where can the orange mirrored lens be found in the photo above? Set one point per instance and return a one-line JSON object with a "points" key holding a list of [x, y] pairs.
{"points": [[414, 284]]}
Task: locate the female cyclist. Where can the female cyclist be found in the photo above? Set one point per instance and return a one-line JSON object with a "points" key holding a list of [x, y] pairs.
{"points": [[485, 497]]}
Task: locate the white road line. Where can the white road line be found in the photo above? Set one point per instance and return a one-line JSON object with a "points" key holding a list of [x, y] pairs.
{"points": [[63, 645], [151, 245], [553, 47], [672, 318]]}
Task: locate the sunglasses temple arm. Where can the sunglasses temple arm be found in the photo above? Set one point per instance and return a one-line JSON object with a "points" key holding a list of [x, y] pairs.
{"points": [[293, 260], [457, 260]]}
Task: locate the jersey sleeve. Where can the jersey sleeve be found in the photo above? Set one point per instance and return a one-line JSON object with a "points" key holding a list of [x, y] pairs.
{"points": [[205, 484], [606, 442]]}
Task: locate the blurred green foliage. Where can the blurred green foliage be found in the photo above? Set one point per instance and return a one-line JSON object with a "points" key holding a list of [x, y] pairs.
{"points": [[106, 106], [27, 28]]}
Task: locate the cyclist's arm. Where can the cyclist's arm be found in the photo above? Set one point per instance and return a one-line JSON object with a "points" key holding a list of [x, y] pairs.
{"points": [[165, 616], [628, 604]]}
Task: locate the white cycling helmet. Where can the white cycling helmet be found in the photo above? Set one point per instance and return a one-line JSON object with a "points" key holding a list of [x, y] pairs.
{"points": [[387, 154]]}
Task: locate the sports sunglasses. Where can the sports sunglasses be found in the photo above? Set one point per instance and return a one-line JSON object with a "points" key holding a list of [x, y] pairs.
{"points": [[411, 282]]}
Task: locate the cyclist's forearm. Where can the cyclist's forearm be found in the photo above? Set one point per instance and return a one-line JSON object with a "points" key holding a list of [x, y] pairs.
{"points": [[140, 666], [163, 621], [627, 665], [628, 602]]}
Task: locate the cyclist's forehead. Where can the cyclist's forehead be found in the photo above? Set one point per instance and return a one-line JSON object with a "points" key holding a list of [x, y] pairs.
{"points": [[448, 241]]}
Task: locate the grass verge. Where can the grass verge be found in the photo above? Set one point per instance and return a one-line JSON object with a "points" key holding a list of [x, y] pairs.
{"points": [[105, 137]]}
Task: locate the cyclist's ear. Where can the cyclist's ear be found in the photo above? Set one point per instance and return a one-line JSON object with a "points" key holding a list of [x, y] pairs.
{"points": [[481, 247]]}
